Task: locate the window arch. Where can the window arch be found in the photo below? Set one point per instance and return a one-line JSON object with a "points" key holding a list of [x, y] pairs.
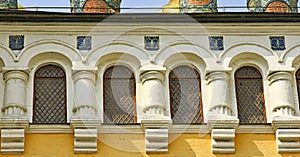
{"points": [[250, 96], [119, 95], [298, 85], [49, 104], [185, 95]]}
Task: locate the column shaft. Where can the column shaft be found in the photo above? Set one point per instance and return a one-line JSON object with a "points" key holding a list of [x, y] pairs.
{"points": [[153, 93], [218, 93], [281, 96], [84, 94], [15, 93]]}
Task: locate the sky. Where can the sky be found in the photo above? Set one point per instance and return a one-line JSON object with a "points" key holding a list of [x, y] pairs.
{"points": [[126, 4]]}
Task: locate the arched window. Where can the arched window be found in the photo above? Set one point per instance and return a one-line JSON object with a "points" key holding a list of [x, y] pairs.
{"points": [[250, 96], [298, 85], [185, 96], [49, 102], [119, 95]]}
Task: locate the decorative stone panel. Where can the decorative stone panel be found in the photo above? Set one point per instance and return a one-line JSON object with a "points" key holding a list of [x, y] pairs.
{"points": [[85, 135], [223, 134], [16, 42], [13, 135], [223, 140], [287, 133], [156, 135], [277, 43], [216, 43], [151, 43], [288, 140], [84, 42]]}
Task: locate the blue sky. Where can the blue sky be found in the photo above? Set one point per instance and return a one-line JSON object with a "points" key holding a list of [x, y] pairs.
{"points": [[126, 3]]}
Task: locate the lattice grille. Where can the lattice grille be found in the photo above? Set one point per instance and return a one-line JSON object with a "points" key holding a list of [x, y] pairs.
{"points": [[250, 98], [298, 85], [119, 96], [49, 95], [185, 96]]}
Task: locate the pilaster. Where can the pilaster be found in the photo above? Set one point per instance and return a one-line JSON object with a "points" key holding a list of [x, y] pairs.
{"points": [[84, 121], [220, 120], [156, 122], [284, 122], [14, 122], [218, 93], [153, 93], [15, 94], [280, 83], [84, 95]]}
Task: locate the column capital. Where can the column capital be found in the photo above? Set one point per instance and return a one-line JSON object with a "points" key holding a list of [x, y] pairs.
{"points": [[84, 74], [152, 75], [16, 74], [279, 75], [216, 75]]}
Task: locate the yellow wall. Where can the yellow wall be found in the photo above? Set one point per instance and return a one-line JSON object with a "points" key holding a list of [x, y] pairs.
{"points": [[119, 145]]}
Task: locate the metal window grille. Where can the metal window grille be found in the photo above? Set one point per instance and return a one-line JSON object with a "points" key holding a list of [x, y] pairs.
{"points": [[119, 95], [298, 85], [185, 96], [49, 96], [250, 96]]}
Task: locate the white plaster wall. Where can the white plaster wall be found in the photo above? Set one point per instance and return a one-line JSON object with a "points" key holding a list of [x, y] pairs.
{"points": [[182, 43]]}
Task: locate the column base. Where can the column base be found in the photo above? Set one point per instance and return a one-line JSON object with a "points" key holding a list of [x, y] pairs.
{"points": [[85, 135], [13, 135], [287, 134], [223, 134], [156, 135]]}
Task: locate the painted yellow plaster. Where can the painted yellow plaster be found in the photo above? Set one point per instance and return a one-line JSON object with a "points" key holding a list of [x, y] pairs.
{"points": [[132, 145]]}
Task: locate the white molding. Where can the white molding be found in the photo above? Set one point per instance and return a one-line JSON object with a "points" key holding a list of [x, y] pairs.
{"points": [[48, 129], [137, 129]]}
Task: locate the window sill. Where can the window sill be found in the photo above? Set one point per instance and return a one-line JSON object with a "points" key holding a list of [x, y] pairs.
{"points": [[137, 129], [44, 129]]}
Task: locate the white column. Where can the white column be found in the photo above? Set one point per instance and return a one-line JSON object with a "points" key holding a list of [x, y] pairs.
{"points": [[85, 122], [153, 93], [281, 93], [156, 123], [84, 94], [14, 123], [284, 121], [220, 121], [219, 93], [15, 94]]}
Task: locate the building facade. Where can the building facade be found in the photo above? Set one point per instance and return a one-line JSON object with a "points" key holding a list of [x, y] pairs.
{"points": [[197, 84], [73, 85]]}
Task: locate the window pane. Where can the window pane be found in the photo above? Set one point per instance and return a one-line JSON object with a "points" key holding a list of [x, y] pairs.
{"points": [[119, 96], [250, 98], [49, 95], [185, 96]]}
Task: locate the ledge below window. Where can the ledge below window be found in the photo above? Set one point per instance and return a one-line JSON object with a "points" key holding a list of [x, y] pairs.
{"points": [[137, 129]]}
